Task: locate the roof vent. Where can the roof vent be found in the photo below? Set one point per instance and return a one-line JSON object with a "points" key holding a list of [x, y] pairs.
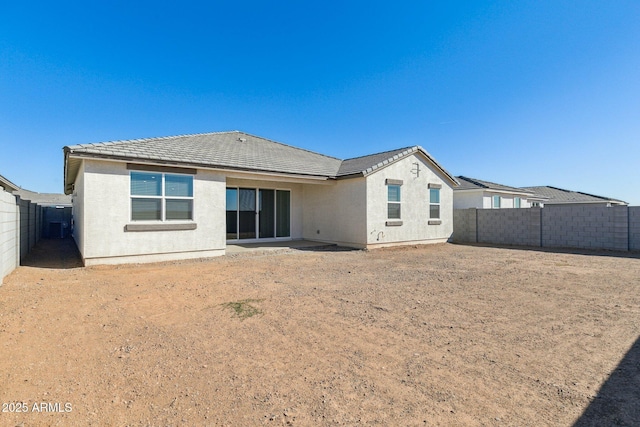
{"points": [[242, 139]]}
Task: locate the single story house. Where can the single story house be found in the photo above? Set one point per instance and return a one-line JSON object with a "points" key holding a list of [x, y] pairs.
{"points": [[558, 196], [475, 193], [187, 196]]}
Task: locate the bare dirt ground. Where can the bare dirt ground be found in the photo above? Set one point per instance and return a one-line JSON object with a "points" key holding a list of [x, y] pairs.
{"points": [[427, 335]]}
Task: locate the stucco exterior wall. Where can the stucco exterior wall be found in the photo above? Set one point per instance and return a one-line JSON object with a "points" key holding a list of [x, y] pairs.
{"points": [[9, 234], [105, 203], [296, 198], [482, 199], [415, 226], [77, 201], [466, 200], [336, 213]]}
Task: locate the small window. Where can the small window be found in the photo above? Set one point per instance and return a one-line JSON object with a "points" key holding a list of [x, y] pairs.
{"points": [[496, 202], [434, 203], [161, 197], [394, 201], [516, 202]]}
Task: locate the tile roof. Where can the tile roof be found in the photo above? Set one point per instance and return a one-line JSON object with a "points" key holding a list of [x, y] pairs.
{"points": [[44, 199], [467, 183], [559, 195], [235, 150]]}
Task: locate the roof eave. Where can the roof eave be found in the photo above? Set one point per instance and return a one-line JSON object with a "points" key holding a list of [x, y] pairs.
{"points": [[8, 185], [160, 162]]}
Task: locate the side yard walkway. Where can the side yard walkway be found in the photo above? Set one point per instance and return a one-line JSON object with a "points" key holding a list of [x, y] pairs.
{"points": [[54, 253]]}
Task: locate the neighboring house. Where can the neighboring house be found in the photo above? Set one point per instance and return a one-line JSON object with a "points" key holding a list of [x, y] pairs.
{"points": [[9, 228], [56, 210], [558, 196], [474, 193], [187, 196]]}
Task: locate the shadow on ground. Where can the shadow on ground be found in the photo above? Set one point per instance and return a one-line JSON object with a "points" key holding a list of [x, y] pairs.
{"points": [[558, 250], [327, 248], [618, 400], [54, 253]]}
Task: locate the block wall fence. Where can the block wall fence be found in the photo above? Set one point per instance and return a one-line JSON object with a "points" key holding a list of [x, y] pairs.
{"points": [[20, 230], [583, 227]]}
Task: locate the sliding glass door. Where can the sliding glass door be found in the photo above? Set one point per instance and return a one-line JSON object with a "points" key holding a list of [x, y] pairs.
{"points": [[258, 213], [267, 213]]}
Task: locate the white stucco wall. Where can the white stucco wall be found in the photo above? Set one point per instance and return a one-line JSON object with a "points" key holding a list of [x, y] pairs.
{"points": [[506, 201], [483, 199], [467, 199], [77, 213], [103, 209], [296, 198], [415, 226], [9, 234], [336, 212]]}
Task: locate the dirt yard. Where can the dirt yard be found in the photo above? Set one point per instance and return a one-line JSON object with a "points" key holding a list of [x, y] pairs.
{"points": [[427, 335]]}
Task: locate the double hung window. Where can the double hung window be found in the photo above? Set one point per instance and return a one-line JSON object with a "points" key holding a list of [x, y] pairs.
{"points": [[394, 199], [157, 196], [434, 203]]}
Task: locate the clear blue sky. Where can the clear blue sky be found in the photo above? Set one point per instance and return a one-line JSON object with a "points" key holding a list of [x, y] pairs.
{"points": [[517, 92]]}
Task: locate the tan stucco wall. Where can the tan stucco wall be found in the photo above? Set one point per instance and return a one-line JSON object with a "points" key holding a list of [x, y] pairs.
{"points": [[336, 213], [105, 206], [415, 205]]}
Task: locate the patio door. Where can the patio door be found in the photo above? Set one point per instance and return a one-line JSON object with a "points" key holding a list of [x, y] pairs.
{"points": [[258, 213]]}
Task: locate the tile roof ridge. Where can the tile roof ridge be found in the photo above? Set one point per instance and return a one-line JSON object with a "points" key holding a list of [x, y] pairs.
{"points": [[403, 149], [156, 138], [283, 144]]}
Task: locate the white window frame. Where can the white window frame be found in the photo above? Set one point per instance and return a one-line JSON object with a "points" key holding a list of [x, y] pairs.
{"points": [[162, 197], [438, 204], [493, 202], [517, 202], [393, 202]]}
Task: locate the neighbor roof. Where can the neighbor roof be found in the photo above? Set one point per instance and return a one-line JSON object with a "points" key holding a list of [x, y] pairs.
{"points": [[467, 183], [44, 199], [7, 185], [557, 195], [232, 150]]}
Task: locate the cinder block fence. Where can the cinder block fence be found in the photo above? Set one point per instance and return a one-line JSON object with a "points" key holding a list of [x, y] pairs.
{"points": [[20, 230], [583, 227]]}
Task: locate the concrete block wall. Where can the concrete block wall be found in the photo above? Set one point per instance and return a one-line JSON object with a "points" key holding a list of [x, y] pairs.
{"points": [[464, 225], [585, 227], [30, 217], [509, 226], [634, 228], [9, 234]]}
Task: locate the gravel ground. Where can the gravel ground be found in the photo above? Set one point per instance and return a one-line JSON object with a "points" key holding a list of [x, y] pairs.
{"points": [[426, 335]]}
